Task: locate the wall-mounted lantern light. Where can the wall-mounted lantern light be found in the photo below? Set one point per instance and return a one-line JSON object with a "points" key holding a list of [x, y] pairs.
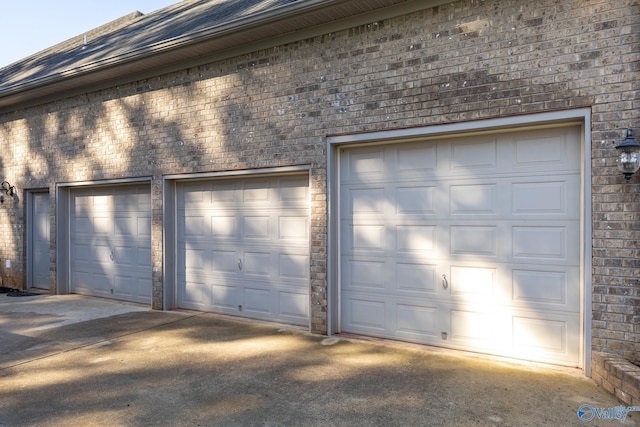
{"points": [[629, 156], [9, 190]]}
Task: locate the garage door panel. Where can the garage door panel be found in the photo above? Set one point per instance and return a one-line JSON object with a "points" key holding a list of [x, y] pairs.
{"points": [[502, 286], [81, 252], [532, 335], [535, 242], [365, 274], [257, 301], [414, 200], [256, 227], [473, 199], [382, 275], [132, 226], [368, 237], [130, 256], [82, 227], [480, 153], [363, 165], [476, 329], [413, 277], [465, 235], [540, 334], [101, 253], [256, 191], [544, 197], [103, 201], [367, 201], [258, 264], [409, 240], [223, 261], [293, 266], [102, 225], [294, 229], [223, 227], [125, 285], [103, 283], [92, 282], [556, 336], [221, 194], [193, 226], [364, 314], [552, 151], [540, 242], [478, 283], [414, 159], [197, 193], [293, 305], [83, 201], [81, 277], [417, 321], [143, 228], [193, 292], [415, 238], [205, 277], [293, 191], [545, 288], [540, 287], [144, 255], [122, 202], [479, 241], [194, 259], [224, 297]]}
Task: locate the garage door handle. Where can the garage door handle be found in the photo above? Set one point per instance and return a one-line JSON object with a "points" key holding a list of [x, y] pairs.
{"points": [[239, 264], [445, 284], [111, 256]]}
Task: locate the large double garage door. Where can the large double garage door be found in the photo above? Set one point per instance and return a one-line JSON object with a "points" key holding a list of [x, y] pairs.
{"points": [[470, 243], [243, 247]]}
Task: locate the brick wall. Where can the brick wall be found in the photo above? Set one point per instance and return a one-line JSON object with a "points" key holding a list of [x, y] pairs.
{"points": [[618, 376], [463, 61]]}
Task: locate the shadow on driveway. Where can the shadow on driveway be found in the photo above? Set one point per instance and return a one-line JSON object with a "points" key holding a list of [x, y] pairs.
{"points": [[127, 365]]}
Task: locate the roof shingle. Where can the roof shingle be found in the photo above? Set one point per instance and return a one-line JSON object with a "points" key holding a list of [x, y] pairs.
{"points": [[129, 34]]}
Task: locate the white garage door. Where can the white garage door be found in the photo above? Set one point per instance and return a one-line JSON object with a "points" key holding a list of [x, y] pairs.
{"points": [[469, 243], [243, 247], [40, 249], [111, 242]]}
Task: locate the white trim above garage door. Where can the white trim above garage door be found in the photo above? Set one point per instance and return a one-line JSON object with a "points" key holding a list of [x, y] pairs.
{"points": [[110, 242], [243, 246], [472, 242]]}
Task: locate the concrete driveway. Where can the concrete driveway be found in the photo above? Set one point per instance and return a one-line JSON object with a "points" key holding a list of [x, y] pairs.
{"points": [[72, 360]]}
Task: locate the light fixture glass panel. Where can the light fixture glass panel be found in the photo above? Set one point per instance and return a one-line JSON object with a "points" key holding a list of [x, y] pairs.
{"points": [[628, 162]]}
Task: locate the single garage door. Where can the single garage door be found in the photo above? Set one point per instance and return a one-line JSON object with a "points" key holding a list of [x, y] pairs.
{"points": [[40, 247], [470, 243], [111, 242], [243, 247]]}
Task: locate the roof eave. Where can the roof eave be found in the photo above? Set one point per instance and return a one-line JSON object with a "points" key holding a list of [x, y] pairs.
{"points": [[202, 46]]}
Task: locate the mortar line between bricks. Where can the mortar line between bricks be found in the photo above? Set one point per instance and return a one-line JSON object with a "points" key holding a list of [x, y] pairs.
{"points": [[80, 347]]}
